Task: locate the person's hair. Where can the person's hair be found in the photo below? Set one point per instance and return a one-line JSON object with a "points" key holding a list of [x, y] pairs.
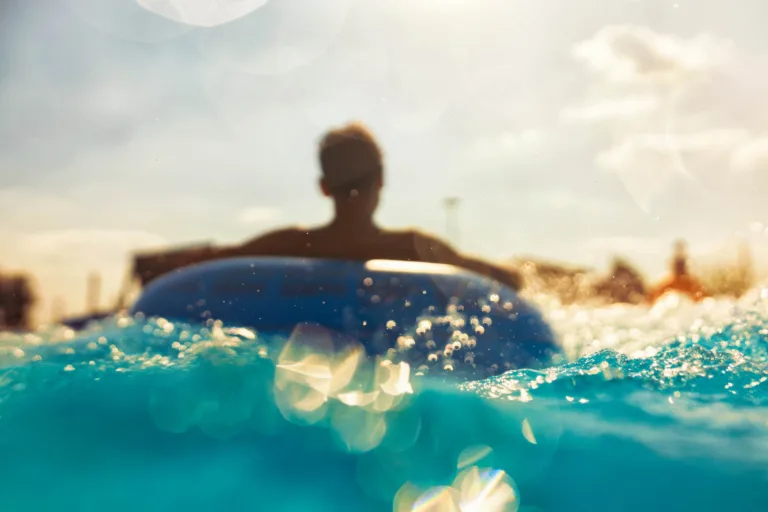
{"points": [[351, 149]]}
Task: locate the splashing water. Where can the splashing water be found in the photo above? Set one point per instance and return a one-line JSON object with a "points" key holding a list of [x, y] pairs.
{"points": [[662, 408]]}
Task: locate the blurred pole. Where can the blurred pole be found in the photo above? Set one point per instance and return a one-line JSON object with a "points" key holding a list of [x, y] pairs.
{"points": [[451, 205], [93, 294]]}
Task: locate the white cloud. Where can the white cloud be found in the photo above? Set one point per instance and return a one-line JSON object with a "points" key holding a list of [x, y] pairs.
{"points": [[752, 156], [660, 103], [555, 199], [505, 146], [612, 109], [653, 91], [639, 71], [661, 148], [258, 215], [646, 163], [625, 53], [520, 141]]}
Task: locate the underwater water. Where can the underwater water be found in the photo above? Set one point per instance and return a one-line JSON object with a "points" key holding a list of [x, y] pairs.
{"points": [[663, 409]]}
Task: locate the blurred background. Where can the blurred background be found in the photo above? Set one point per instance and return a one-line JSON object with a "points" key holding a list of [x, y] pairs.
{"points": [[575, 140]]}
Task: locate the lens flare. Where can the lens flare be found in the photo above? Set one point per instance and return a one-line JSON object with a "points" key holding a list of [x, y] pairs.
{"points": [[202, 13], [280, 37], [127, 20], [473, 490]]}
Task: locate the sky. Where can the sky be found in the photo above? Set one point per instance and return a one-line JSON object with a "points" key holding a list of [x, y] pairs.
{"points": [[570, 130]]}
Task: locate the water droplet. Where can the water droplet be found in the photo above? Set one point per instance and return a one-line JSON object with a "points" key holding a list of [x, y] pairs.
{"points": [[528, 432]]}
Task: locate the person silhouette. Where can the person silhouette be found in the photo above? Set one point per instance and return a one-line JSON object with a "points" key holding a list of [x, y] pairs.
{"points": [[623, 285], [680, 280], [352, 176]]}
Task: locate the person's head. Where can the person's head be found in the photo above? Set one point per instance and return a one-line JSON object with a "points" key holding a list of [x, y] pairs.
{"points": [[352, 167]]}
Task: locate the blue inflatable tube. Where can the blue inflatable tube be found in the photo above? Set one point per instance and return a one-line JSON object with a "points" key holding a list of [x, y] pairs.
{"points": [[420, 309]]}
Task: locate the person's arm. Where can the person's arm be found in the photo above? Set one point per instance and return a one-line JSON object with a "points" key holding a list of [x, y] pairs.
{"points": [[433, 250], [270, 244], [148, 267], [277, 243]]}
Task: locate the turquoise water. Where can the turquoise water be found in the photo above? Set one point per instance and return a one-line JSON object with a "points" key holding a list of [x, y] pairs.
{"points": [[657, 409]]}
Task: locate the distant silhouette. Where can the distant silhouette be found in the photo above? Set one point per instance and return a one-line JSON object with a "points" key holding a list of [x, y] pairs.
{"points": [[680, 280], [623, 285], [16, 301], [352, 177]]}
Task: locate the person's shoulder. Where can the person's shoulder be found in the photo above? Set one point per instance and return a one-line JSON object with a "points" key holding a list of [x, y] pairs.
{"points": [[287, 231], [417, 234], [433, 242], [426, 246], [284, 235]]}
